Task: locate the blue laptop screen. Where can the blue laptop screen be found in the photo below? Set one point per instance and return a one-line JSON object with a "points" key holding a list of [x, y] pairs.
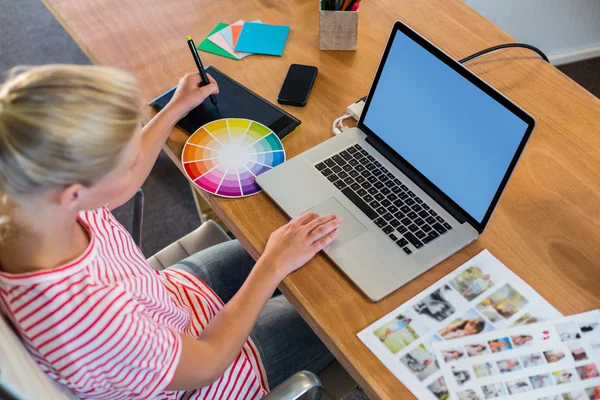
{"points": [[451, 131]]}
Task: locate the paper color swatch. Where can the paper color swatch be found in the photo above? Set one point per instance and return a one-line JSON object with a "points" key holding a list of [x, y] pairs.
{"points": [[235, 34], [231, 33], [209, 47], [262, 38], [228, 33], [224, 156], [220, 41]]}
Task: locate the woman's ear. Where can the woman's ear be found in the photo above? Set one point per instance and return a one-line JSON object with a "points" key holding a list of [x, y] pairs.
{"points": [[71, 196]]}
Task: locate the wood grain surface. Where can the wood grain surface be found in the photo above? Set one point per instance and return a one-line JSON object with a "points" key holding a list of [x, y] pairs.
{"points": [[546, 227]]}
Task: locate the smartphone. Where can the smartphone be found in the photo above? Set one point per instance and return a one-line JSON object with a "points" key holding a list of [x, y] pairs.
{"points": [[297, 85]]}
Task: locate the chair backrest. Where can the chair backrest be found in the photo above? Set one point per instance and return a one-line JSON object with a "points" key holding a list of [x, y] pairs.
{"points": [[20, 377]]}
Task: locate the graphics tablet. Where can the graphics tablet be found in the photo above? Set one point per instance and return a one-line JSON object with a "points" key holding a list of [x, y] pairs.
{"points": [[234, 101]]}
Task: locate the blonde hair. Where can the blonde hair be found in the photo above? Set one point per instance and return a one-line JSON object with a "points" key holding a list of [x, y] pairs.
{"points": [[63, 124]]}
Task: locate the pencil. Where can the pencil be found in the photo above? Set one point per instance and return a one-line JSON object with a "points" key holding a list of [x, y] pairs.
{"points": [[350, 4]]}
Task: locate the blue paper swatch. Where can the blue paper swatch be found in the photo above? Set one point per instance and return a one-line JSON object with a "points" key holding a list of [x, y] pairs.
{"points": [[262, 39], [227, 35]]}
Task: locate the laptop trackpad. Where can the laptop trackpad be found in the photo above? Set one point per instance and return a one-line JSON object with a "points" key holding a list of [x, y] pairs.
{"points": [[349, 230]]}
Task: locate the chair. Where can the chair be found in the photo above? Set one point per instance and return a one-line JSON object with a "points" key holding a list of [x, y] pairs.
{"points": [[22, 379]]}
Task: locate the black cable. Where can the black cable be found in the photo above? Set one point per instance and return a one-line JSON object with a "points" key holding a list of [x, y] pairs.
{"points": [[494, 48], [504, 46]]}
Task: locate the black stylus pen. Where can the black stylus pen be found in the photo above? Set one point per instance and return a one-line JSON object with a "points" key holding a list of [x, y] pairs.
{"points": [[203, 76]]}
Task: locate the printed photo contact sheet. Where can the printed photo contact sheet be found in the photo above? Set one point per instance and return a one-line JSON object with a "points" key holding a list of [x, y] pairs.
{"points": [[481, 296], [550, 360]]}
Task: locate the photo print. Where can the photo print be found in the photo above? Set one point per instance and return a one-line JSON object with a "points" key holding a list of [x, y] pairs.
{"points": [[502, 304], [521, 340], [526, 319], [532, 360], [476, 349], [483, 370], [563, 376], [420, 362], [439, 305], [593, 392], [471, 283], [493, 390], [553, 356], [471, 323], [508, 365], [468, 395], [461, 376], [578, 351], [397, 334], [541, 381], [574, 396], [568, 331], [588, 371], [518, 386], [439, 389], [453, 354], [589, 327], [499, 345]]}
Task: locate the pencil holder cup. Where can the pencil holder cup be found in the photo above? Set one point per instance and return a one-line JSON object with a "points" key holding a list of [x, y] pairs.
{"points": [[338, 30]]}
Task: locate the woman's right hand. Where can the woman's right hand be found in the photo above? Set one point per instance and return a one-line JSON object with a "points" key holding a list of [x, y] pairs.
{"points": [[297, 242], [191, 92]]}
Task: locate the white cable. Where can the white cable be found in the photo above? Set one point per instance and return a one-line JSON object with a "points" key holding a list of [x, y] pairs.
{"points": [[338, 121], [354, 110]]}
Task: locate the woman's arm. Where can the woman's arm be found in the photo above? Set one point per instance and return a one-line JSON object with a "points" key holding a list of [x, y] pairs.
{"points": [[204, 360], [187, 96]]}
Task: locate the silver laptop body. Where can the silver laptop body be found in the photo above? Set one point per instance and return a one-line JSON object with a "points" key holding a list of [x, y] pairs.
{"points": [[379, 259]]}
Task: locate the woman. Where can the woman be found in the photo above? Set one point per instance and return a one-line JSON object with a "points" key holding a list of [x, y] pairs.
{"points": [[471, 326], [91, 311]]}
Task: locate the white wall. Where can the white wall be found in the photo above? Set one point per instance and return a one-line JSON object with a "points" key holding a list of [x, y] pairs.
{"points": [[566, 30]]}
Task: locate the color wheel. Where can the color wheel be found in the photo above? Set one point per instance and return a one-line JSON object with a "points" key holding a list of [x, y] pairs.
{"points": [[225, 156]]}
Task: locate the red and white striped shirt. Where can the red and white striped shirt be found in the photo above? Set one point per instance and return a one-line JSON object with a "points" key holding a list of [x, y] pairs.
{"points": [[107, 325]]}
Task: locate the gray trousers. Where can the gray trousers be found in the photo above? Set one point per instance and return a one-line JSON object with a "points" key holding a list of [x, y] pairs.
{"points": [[285, 342]]}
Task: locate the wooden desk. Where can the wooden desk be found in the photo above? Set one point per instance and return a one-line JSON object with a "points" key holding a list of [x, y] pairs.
{"points": [[547, 225]]}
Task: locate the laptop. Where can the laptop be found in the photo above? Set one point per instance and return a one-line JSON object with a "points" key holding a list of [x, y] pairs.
{"points": [[419, 177]]}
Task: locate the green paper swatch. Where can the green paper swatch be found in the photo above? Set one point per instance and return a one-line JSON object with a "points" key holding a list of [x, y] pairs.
{"points": [[210, 47]]}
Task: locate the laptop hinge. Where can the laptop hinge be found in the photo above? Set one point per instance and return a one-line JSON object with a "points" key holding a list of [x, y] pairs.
{"points": [[411, 174]]}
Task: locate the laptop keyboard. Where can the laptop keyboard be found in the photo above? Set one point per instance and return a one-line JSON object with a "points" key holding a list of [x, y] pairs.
{"points": [[394, 208]]}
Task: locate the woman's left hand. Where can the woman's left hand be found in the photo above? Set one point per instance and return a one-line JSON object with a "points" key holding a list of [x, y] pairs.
{"points": [[189, 95]]}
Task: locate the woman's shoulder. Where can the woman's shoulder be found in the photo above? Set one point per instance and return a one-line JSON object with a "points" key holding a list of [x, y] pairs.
{"points": [[103, 224], [91, 216]]}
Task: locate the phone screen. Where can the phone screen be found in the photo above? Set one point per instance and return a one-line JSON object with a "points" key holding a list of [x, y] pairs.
{"points": [[297, 85]]}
